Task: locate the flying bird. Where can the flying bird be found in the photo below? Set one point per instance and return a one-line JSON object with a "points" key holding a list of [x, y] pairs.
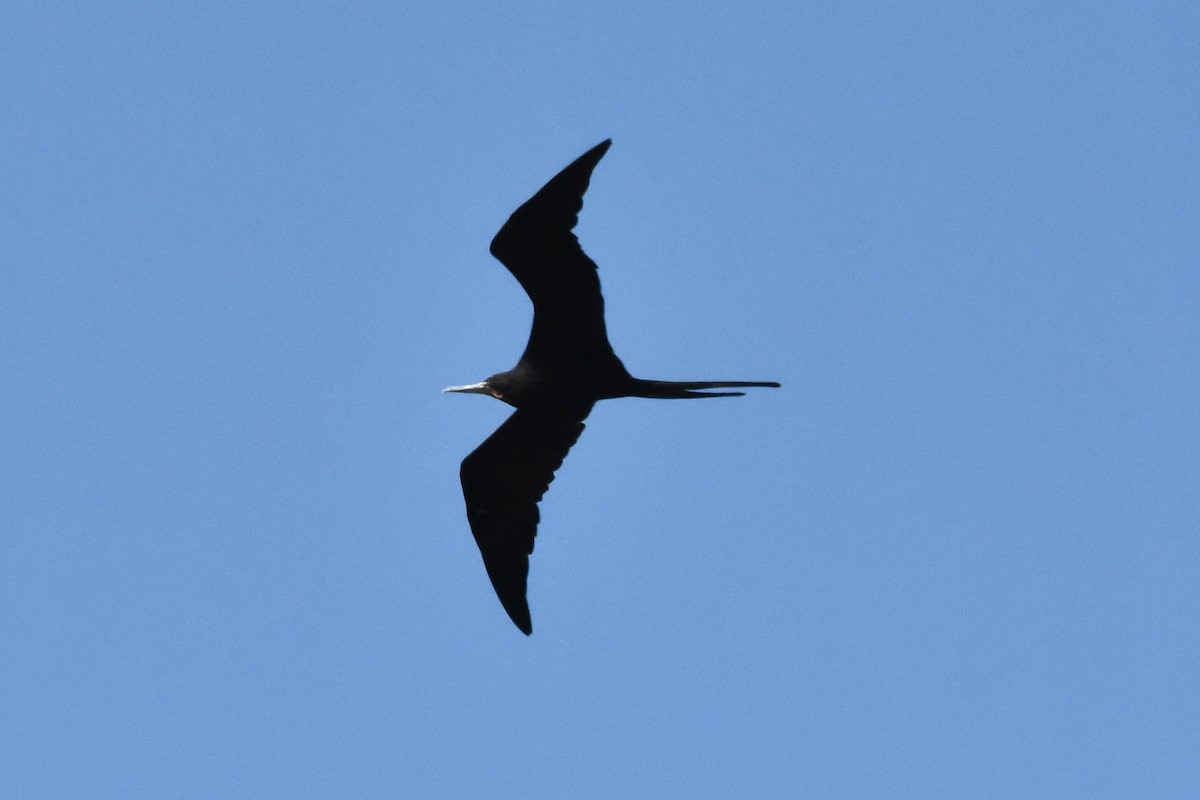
{"points": [[567, 366]]}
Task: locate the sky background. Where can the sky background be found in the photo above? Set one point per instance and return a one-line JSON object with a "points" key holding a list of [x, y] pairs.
{"points": [[243, 247]]}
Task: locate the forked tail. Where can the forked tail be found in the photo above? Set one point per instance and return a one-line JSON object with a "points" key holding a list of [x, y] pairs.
{"points": [[679, 390]]}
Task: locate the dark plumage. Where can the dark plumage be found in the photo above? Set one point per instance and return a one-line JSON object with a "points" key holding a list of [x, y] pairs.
{"points": [[567, 366]]}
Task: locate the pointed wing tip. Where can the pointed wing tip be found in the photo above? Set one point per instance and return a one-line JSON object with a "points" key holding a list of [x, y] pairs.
{"points": [[584, 165], [514, 602], [553, 211], [596, 153], [520, 617]]}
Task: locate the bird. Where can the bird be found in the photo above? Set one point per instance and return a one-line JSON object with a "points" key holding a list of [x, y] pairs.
{"points": [[567, 367]]}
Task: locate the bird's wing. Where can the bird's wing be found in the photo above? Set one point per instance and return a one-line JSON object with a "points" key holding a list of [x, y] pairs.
{"points": [[539, 249], [503, 480]]}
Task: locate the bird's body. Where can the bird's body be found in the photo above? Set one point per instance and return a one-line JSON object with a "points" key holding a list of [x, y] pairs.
{"points": [[568, 365]]}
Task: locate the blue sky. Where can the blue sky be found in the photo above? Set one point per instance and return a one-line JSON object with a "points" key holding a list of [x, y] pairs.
{"points": [[245, 246]]}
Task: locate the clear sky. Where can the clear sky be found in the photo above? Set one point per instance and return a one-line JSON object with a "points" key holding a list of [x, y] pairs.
{"points": [[243, 247]]}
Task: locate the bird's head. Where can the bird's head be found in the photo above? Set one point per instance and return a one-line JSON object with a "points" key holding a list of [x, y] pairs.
{"points": [[489, 387]]}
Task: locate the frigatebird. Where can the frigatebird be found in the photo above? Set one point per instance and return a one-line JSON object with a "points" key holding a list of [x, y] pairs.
{"points": [[567, 366]]}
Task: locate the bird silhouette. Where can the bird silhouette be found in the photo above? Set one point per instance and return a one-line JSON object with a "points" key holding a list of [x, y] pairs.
{"points": [[568, 365]]}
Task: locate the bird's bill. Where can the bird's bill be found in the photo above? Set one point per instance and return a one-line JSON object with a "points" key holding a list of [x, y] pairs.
{"points": [[474, 388]]}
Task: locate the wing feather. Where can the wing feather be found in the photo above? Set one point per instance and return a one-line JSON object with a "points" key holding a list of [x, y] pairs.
{"points": [[538, 247], [503, 480]]}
